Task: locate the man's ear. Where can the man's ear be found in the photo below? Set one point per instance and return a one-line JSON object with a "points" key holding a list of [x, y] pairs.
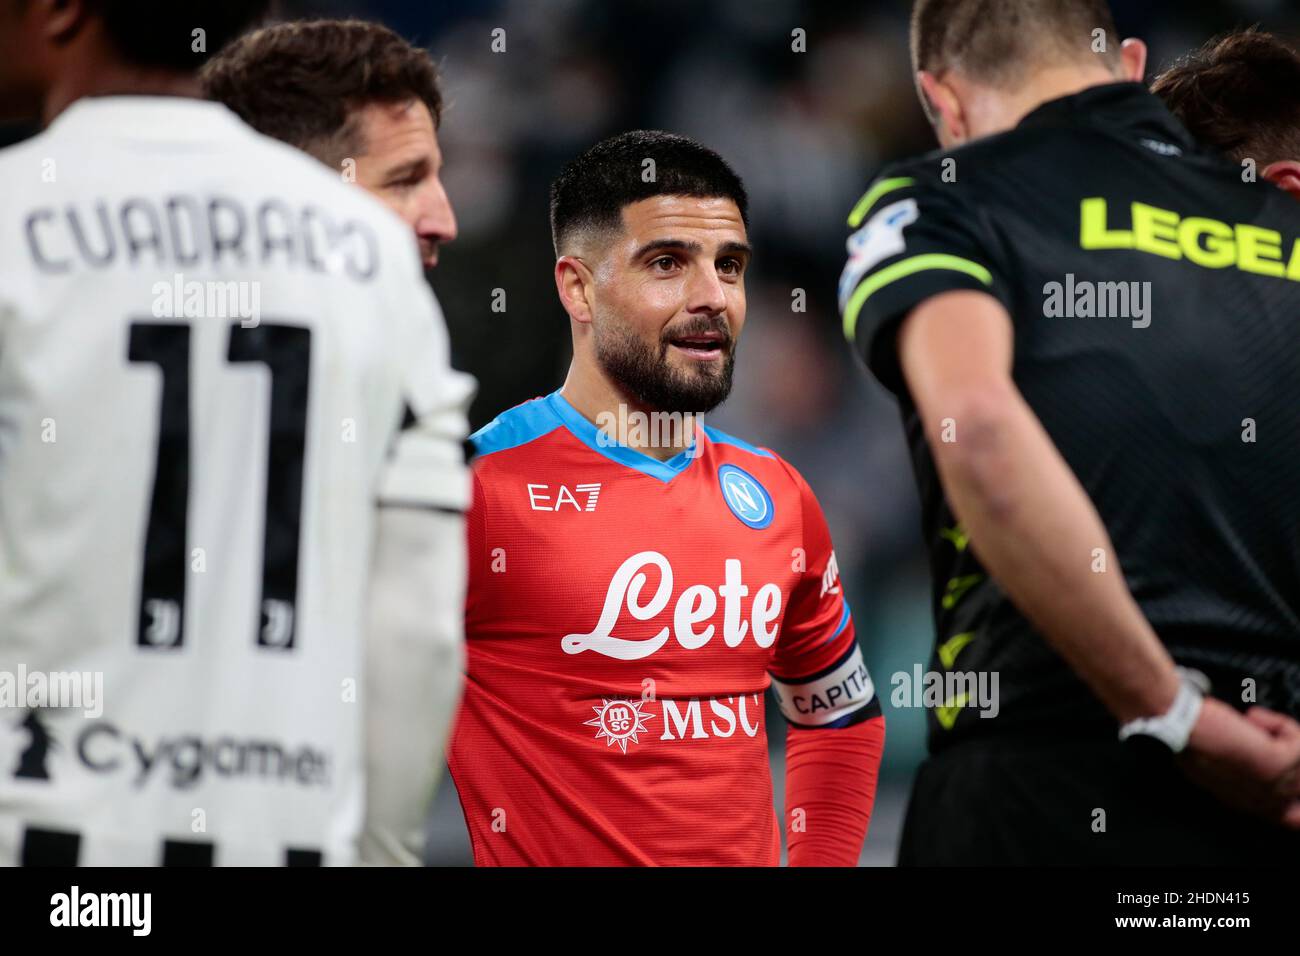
{"points": [[1285, 175], [60, 20], [573, 281], [945, 107], [1133, 54]]}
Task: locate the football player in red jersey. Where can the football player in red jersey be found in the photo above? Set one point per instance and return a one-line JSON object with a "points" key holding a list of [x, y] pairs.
{"points": [[638, 578]]}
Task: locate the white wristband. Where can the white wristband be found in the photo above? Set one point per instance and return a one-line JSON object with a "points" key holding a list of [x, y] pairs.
{"points": [[1175, 726]]}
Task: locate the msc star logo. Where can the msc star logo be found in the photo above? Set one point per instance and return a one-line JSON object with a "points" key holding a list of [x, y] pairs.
{"points": [[618, 721]]}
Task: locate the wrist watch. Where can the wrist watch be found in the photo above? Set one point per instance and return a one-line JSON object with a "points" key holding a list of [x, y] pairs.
{"points": [[1172, 728]]}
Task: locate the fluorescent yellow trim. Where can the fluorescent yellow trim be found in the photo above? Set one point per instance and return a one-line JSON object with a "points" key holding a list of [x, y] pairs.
{"points": [[901, 270], [947, 714], [873, 194], [950, 648]]}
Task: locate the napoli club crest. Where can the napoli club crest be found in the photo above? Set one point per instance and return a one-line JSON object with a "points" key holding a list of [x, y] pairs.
{"points": [[747, 499]]}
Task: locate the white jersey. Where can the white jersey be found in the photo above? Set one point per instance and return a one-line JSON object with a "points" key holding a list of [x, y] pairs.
{"points": [[209, 349]]}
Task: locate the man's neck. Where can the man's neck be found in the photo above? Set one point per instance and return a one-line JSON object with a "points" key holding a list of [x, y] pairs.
{"points": [[634, 425], [114, 79], [1059, 82], [994, 111]]}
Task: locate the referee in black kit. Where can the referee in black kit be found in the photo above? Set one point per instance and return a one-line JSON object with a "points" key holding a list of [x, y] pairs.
{"points": [[1092, 326]]}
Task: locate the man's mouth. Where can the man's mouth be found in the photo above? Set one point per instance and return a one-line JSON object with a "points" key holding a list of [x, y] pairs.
{"points": [[702, 346]]}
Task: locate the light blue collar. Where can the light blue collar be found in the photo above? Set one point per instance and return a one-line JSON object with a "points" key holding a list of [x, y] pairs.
{"points": [[602, 444]]}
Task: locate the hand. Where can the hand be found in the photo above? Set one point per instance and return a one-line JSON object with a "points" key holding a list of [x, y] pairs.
{"points": [[1251, 762]]}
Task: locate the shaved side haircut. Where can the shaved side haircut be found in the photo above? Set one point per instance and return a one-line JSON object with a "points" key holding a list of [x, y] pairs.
{"points": [[999, 42]]}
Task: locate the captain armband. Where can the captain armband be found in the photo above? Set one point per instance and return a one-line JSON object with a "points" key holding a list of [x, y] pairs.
{"points": [[837, 696]]}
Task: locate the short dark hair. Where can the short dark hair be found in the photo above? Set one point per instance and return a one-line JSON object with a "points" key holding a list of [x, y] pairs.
{"points": [[160, 33], [302, 82], [995, 41], [1239, 93], [591, 191]]}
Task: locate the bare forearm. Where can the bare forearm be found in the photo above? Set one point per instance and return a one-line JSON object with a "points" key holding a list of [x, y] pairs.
{"points": [[1033, 527]]}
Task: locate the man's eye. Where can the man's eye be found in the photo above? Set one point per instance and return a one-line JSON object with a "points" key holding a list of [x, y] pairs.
{"points": [[730, 267], [664, 264]]}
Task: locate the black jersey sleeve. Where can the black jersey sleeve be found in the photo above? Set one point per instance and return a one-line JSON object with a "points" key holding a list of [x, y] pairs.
{"points": [[915, 236]]}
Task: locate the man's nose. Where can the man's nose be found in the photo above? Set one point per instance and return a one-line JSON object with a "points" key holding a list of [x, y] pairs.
{"points": [[705, 293], [435, 219]]}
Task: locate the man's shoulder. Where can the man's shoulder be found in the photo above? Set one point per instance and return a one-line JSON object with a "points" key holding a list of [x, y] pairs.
{"points": [[941, 175], [29, 161], [964, 170], [513, 430], [21, 152], [760, 463], [738, 448], [216, 151]]}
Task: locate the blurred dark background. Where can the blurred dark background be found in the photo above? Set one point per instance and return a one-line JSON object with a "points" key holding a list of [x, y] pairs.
{"points": [[807, 131]]}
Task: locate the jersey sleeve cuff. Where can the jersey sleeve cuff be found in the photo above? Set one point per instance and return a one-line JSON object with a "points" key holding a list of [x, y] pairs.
{"points": [[883, 299]]}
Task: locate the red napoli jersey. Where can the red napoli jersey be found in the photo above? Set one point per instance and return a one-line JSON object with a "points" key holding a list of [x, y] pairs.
{"points": [[624, 616]]}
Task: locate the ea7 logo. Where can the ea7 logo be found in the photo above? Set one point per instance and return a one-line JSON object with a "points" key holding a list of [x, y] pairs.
{"points": [[540, 497]]}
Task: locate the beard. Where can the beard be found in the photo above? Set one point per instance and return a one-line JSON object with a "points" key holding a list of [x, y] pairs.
{"points": [[642, 370]]}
